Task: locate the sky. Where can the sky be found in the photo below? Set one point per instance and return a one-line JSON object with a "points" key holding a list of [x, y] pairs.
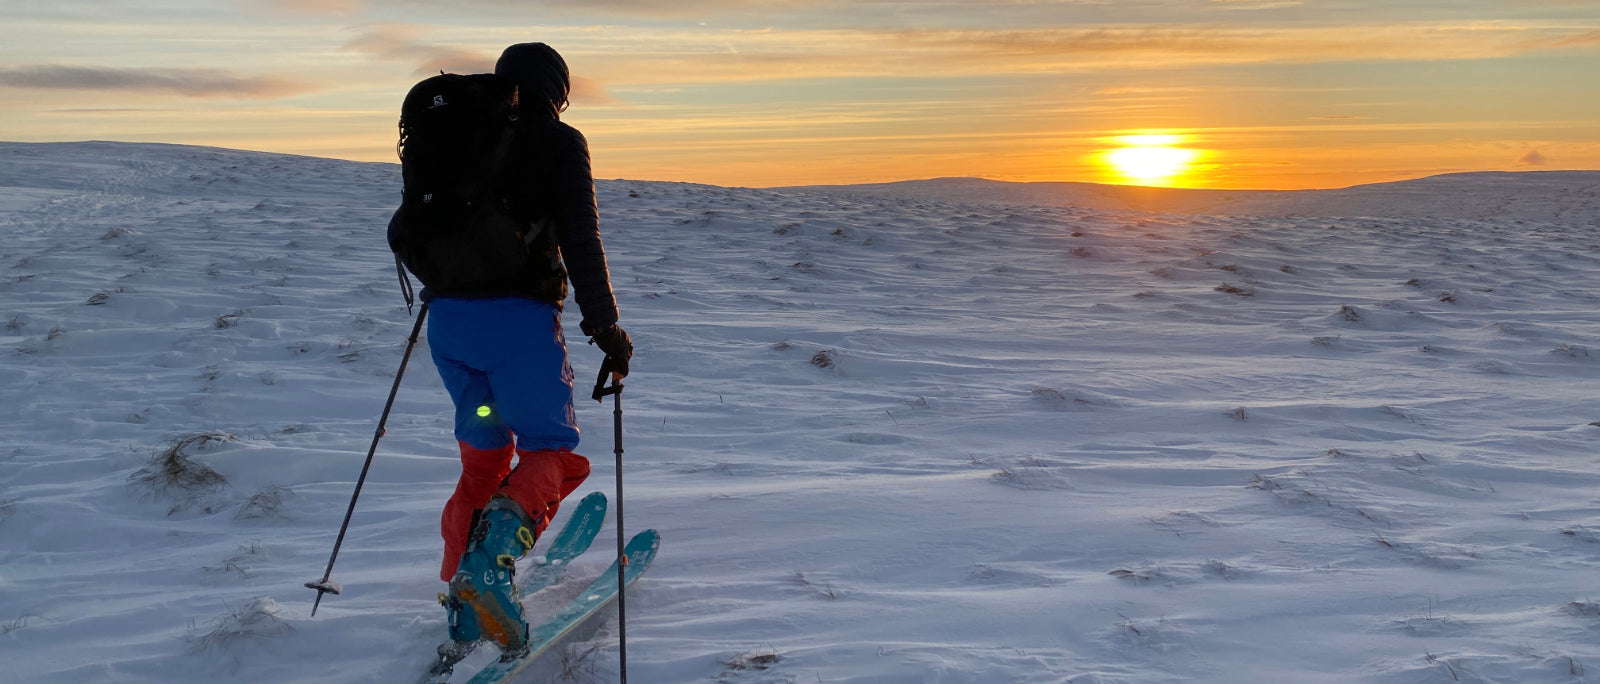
{"points": [[1254, 94]]}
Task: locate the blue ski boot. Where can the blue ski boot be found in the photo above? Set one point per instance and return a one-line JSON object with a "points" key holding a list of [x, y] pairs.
{"points": [[483, 601]]}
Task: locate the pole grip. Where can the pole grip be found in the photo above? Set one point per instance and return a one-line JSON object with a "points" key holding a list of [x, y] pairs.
{"points": [[601, 391]]}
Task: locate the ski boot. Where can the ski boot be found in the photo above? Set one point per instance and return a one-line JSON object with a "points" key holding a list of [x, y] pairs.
{"points": [[483, 600]]}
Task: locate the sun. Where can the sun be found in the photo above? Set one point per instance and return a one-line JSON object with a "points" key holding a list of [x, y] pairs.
{"points": [[1150, 159]]}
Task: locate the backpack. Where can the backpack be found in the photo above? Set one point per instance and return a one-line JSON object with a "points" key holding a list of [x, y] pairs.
{"points": [[455, 230]]}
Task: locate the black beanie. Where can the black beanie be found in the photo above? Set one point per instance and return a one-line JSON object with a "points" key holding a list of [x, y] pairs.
{"points": [[540, 75]]}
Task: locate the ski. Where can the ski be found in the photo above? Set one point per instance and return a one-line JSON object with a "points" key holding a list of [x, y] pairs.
{"points": [[641, 550], [581, 528]]}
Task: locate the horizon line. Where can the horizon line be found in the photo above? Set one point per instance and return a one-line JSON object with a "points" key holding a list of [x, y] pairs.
{"points": [[845, 185]]}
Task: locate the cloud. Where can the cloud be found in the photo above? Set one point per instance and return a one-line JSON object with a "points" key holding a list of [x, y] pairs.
{"points": [[587, 91], [1257, 4], [188, 82], [399, 43], [1168, 45], [670, 7], [795, 14], [1582, 40], [639, 56], [334, 7], [674, 9], [1532, 158], [104, 110]]}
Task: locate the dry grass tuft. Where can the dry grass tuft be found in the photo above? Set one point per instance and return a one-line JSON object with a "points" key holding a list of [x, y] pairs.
{"points": [[1232, 289], [825, 590], [578, 664], [266, 504], [236, 562], [173, 472], [257, 618], [752, 661], [1589, 608], [228, 320]]}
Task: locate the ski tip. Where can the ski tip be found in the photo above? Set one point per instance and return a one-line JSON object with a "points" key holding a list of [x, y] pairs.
{"points": [[648, 539]]}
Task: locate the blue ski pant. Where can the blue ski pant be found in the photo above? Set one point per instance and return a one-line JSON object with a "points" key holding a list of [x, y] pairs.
{"points": [[504, 362]]}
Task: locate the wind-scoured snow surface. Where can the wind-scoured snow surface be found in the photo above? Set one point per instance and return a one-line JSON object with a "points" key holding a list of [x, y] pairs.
{"points": [[1542, 196], [885, 440]]}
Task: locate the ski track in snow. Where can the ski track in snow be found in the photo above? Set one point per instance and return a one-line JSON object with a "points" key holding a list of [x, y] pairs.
{"points": [[888, 440]]}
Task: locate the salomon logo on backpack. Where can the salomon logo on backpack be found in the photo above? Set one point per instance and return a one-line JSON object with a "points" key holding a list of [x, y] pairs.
{"points": [[454, 229]]}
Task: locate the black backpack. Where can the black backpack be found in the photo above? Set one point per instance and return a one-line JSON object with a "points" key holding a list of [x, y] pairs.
{"points": [[455, 229]]}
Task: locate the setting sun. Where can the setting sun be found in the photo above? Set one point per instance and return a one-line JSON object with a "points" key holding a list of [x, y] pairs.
{"points": [[1150, 158]]}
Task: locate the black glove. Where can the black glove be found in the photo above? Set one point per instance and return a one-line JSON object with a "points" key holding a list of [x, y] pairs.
{"points": [[617, 345]]}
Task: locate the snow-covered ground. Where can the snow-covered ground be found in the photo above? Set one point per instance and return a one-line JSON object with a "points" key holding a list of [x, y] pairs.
{"points": [[885, 439], [1541, 196]]}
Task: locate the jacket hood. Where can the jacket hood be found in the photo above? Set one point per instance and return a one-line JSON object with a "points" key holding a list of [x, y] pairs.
{"points": [[540, 73]]}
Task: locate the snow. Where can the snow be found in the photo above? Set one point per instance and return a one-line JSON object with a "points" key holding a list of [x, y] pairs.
{"points": [[1542, 196], [885, 437]]}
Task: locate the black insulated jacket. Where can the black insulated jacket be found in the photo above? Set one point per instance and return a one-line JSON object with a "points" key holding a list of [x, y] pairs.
{"points": [[548, 183]]}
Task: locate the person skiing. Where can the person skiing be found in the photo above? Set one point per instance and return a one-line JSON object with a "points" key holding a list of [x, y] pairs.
{"points": [[500, 350]]}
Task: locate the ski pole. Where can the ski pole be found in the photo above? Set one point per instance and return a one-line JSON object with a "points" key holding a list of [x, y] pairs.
{"points": [[324, 585], [615, 390]]}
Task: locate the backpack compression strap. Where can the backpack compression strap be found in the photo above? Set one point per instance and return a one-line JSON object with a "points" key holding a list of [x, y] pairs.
{"points": [[405, 283]]}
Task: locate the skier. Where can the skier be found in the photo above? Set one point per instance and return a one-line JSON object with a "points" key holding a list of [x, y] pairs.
{"points": [[503, 358]]}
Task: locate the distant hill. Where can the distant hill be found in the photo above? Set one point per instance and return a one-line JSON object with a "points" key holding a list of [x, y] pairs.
{"points": [[1571, 197], [1564, 197]]}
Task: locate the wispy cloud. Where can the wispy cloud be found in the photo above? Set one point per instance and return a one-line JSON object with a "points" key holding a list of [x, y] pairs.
{"points": [[676, 7], [188, 82], [335, 7], [655, 56], [1581, 40], [104, 110], [401, 43], [588, 91], [1257, 4], [658, 9], [1184, 44], [649, 53], [795, 14]]}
